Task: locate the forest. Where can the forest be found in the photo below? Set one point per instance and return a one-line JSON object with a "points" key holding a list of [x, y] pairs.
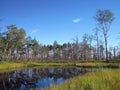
{"points": [[15, 45]]}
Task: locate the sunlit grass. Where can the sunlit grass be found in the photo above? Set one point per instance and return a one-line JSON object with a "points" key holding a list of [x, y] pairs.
{"points": [[5, 66], [20, 64], [102, 80], [106, 79], [24, 64], [98, 64]]}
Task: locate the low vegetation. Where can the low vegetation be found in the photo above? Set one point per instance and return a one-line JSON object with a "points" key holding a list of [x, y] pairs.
{"points": [[16, 65], [25, 64], [5, 66], [106, 79], [99, 65]]}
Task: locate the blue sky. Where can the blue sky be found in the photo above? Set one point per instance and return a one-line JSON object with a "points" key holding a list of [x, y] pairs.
{"points": [[61, 20]]}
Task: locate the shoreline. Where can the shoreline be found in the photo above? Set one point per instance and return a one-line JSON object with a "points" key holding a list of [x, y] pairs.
{"points": [[16, 65]]}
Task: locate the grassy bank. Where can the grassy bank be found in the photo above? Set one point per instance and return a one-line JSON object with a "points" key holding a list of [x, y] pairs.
{"points": [[16, 65], [107, 79], [24, 64], [8, 66], [102, 80], [98, 65]]}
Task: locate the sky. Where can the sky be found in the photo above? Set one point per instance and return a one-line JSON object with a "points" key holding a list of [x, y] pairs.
{"points": [[60, 20]]}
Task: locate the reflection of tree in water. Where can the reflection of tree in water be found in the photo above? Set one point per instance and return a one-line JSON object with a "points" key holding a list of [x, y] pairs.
{"points": [[29, 78]]}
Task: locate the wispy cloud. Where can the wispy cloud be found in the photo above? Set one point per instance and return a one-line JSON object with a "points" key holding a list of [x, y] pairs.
{"points": [[76, 20], [34, 31]]}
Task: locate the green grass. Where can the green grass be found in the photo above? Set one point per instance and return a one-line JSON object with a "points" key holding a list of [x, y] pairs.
{"points": [[17, 65], [106, 79], [25, 64], [98, 64], [8, 65]]}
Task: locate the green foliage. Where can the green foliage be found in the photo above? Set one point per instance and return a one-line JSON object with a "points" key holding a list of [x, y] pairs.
{"points": [[104, 16], [35, 45], [98, 65], [102, 80], [10, 41]]}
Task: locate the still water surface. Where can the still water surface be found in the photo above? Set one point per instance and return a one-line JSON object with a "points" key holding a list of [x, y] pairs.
{"points": [[38, 78]]}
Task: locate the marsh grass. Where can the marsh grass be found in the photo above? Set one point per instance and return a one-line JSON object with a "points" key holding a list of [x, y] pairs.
{"points": [[99, 64], [17, 65], [9, 65], [63, 63], [107, 79]]}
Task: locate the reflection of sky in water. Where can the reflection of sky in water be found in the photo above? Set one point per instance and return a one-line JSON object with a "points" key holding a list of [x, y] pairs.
{"points": [[22, 87], [37, 78], [48, 81], [44, 82], [59, 80]]}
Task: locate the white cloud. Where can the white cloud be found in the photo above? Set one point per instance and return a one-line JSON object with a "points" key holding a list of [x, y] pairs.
{"points": [[34, 31], [76, 20]]}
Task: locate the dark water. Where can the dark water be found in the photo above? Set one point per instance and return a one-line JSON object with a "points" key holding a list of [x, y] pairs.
{"points": [[38, 78]]}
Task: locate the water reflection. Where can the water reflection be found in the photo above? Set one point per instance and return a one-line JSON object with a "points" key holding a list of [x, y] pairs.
{"points": [[37, 77]]}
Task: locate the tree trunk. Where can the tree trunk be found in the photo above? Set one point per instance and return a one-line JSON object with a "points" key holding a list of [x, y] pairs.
{"points": [[106, 49]]}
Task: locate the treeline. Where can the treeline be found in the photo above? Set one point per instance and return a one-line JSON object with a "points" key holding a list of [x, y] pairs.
{"points": [[14, 45]]}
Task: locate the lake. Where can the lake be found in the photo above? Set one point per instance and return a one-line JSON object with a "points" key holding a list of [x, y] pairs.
{"points": [[38, 78]]}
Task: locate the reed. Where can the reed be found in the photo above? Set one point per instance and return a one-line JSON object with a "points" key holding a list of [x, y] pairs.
{"points": [[24, 64], [106, 79], [98, 64], [16, 65]]}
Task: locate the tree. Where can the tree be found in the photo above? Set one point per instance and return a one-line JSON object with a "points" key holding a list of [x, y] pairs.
{"points": [[104, 19], [14, 39], [28, 47], [35, 47], [64, 51], [97, 41], [101, 51], [90, 39], [1, 46], [75, 48], [85, 47], [10, 41]]}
